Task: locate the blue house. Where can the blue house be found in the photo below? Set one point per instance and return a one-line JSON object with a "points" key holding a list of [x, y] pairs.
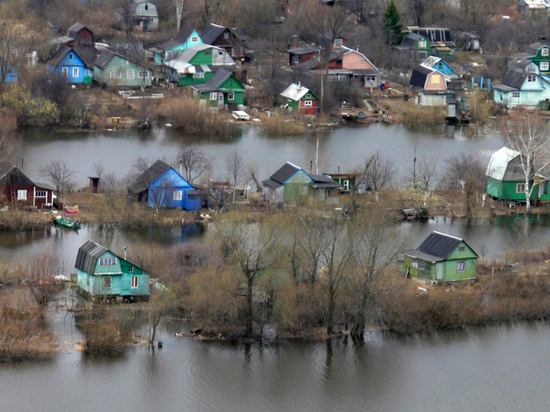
{"points": [[437, 63], [103, 274], [67, 63], [161, 186], [7, 74], [172, 49]]}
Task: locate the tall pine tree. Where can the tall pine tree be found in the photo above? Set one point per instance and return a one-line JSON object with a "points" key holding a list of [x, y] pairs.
{"points": [[391, 25]]}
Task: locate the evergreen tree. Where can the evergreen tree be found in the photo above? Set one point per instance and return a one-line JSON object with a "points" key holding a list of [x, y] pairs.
{"points": [[391, 25]]}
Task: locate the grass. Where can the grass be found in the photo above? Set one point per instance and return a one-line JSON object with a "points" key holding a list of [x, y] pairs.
{"points": [[279, 124]]}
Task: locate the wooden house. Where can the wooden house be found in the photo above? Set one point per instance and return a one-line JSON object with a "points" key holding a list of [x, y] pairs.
{"points": [[442, 258], [440, 39], [101, 274], [115, 70], [20, 191], [68, 64], [81, 40], [198, 64], [539, 53], [223, 91], [291, 183], [301, 100], [348, 181], [414, 47], [172, 49], [301, 54], [227, 39], [140, 16], [161, 186], [430, 86]]}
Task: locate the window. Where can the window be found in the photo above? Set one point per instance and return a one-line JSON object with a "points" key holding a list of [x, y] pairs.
{"points": [[88, 74], [544, 52], [226, 35], [341, 77], [339, 62], [75, 71], [531, 78], [199, 75], [421, 55], [194, 39], [308, 103], [208, 53], [115, 75], [70, 56], [108, 261], [296, 59], [135, 282], [461, 248], [544, 66], [131, 269], [421, 44], [64, 71], [231, 96], [440, 65], [130, 74], [146, 6], [461, 266], [520, 188], [41, 193], [371, 78], [234, 52], [333, 77], [107, 282], [178, 195], [308, 96], [516, 95], [421, 265], [143, 74], [435, 78], [338, 42], [415, 263], [213, 96], [21, 195]]}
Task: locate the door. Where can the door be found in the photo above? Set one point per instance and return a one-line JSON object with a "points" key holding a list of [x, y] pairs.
{"points": [[145, 25], [220, 100], [440, 270]]}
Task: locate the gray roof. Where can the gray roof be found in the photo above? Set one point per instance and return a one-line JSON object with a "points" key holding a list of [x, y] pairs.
{"points": [[44, 186], [308, 48], [104, 58], [419, 75], [145, 180], [439, 245], [190, 52], [271, 183], [184, 34], [88, 254], [212, 32], [316, 61], [11, 175], [215, 82], [322, 181], [534, 48], [75, 28], [515, 78], [409, 40], [169, 44], [285, 172], [59, 55]]}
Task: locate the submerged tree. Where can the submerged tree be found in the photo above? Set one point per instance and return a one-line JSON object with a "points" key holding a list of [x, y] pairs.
{"points": [[60, 174], [391, 24]]}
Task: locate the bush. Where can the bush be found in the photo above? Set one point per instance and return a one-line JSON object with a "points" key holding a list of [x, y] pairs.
{"points": [[29, 111], [106, 336], [280, 124]]}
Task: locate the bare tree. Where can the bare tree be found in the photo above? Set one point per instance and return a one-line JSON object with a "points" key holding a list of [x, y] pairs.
{"points": [[426, 173], [378, 172], [193, 162], [163, 193], [179, 12], [528, 136], [161, 300], [235, 166], [60, 175], [253, 172], [41, 271]]}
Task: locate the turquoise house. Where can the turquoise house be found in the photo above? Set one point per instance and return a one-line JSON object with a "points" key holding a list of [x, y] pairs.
{"points": [[437, 63], [103, 274], [172, 49], [67, 63]]}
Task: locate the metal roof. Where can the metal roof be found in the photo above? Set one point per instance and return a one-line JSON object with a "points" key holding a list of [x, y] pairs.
{"points": [[295, 92], [439, 245], [88, 254], [144, 180], [184, 34], [499, 162], [306, 49], [272, 183], [74, 29], [419, 75], [13, 176], [104, 58], [212, 32], [215, 81], [317, 60], [285, 172]]}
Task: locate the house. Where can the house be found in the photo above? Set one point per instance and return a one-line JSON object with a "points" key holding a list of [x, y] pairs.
{"points": [[524, 85], [223, 91], [115, 70], [440, 39], [68, 64], [198, 64], [539, 53], [534, 6], [103, 274], [301, 100], [437, 63], [79, 38], [348, 181], [161, 186], [291, 183], [171, 49], [506, 179], [141, 15], [20, 191], [414, 47], [442, 258], [301, 54], [227, 39], [430, 86], [469, 41], [344, 65]]}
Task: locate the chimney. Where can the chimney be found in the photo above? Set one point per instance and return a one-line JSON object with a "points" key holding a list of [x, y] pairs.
{"points": [[357, 47], [338, 169], [311, 166], [22, 163], [125, 247], [181, 167]]}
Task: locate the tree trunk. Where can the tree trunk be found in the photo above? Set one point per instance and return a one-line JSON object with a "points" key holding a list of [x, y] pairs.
{"points": [[249, 308], [331, 304], [527, 197]]}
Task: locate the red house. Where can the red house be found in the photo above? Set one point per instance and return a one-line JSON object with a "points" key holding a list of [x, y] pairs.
{"points": [[81, 39], [20, 191]]}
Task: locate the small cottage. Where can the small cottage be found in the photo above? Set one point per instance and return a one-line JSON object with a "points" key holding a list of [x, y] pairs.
{"points": [[140, 16], [162, 187], [101, 274], [223, 91], [115, 70], [172, 49], [440, 39], [414, 47], [227, 39], [68, 64], [301, 100], [20, 191], [430, 86], [442, 258]]}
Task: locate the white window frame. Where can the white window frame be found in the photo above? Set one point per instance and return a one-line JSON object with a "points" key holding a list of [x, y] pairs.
{"points": [[199, 75], [21, 195], [213, 95], [131, 269], [115, 75], [341, 77], [65, 71], [231, 96], [516, 95], [545, 52], [194, 39], [544, 66], [41, 193], [422, 44], [531, 78], [178, 195], [75, 72], [520, 188], [421, 265], [134, 282], [131, 74], [105, 282], [461, 266], [234, 52], [226, 35], [108, 261], [308, 103], [415, 263], [143, 74]]}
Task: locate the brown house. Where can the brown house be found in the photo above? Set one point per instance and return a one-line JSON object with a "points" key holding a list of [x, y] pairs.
{"points": [[81, 39], [20, 191], [227, 39]]}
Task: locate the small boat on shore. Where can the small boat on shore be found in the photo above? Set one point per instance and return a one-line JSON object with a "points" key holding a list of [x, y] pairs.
{"points": [[67, 223]]}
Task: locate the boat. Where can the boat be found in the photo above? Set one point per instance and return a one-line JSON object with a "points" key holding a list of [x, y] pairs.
{"points": [[72, 209], [66, 222], [240, 115]]}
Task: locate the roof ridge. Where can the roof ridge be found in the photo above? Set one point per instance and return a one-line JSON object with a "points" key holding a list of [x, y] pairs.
{"points": [[446, 234]]}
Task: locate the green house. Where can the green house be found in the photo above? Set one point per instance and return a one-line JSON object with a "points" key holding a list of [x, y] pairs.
{"points": [[442, 258], [539, 54], [299, 99], [506, 179], [102, 274], [115, 70], [223, 90], [414, 47]]}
